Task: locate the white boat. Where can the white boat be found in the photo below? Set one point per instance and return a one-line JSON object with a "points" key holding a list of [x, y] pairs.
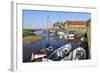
{"points": [[66, 35], [82, 53], [71, 36], [60, 33], [62, 50], [37, 56]]}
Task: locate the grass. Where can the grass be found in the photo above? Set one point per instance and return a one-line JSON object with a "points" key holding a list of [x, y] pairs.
{"points": [[27, 32], [32, 38], [29, 36]]}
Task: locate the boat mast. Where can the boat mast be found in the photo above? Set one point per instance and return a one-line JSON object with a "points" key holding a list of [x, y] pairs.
{"points": [[47, 27]]}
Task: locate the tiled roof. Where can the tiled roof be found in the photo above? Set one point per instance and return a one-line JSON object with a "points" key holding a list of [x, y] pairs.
{"points": [[75, 22]]}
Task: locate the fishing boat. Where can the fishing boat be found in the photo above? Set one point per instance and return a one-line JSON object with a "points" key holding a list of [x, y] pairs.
{"points": [[79, 53], [60, 52], [41, 53]]}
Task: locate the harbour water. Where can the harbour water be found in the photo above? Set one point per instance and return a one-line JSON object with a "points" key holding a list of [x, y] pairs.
{"points": [[28, 49]]}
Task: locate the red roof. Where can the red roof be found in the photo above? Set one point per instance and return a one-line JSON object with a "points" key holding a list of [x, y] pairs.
{"points": [[76, 22]]}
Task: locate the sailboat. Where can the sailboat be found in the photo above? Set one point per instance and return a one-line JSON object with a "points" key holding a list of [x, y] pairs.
{"points": [[42, 53]]}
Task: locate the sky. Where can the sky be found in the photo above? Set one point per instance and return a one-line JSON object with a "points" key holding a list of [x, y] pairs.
{"points": [[32, 19]]}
